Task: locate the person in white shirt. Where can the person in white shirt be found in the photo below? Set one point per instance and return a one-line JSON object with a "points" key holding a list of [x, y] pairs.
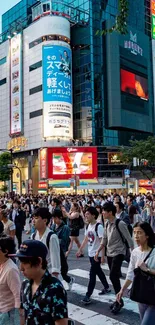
{"points": [[145, 239], [93, 235], [41, 219]]}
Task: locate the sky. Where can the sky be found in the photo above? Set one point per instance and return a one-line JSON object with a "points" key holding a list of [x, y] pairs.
{"points": [[6, 5]]}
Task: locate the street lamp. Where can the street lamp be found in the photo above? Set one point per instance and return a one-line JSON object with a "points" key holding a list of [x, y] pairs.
{"points": [[75, 167], [20, 182]]}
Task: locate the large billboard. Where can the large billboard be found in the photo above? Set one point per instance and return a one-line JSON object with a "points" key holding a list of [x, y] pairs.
{"points": [[134, 84], [153, 17], [57, 91], [64, 162], [16, 85]]}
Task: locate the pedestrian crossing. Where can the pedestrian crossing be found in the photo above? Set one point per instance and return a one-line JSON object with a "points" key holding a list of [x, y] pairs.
{"points": [[87, 314]]}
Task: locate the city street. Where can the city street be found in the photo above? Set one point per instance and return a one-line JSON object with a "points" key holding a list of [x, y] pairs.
{"points": [[98, 312]]}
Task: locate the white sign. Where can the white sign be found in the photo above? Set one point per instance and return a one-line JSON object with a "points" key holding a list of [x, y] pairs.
{"points": [[132, 45], [16, 84]]}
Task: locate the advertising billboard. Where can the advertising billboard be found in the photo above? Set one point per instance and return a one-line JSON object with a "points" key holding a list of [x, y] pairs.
{"points": [[43, 163], [57, 91], [16, 85], [134, 84], [153, 17], [63, 163]]}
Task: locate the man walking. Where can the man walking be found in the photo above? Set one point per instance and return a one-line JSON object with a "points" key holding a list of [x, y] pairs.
{"points": [[116, 248], [18, 216], [43, 298], [41, 219], [93, 236]]}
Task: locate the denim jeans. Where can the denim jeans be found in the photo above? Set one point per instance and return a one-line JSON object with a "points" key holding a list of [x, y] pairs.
{"points": [[147, 314], [96, 270], [10, 318]]}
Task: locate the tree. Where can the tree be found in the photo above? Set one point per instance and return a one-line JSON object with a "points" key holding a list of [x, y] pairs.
{"points": [[5, 172], [144, 151]]}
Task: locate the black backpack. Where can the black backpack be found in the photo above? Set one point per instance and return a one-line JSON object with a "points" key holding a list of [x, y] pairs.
{"points": [[63, 261], [96, 227], [127, 255]]}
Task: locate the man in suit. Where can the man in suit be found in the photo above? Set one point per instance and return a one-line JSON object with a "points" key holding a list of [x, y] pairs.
{"points": [[18, 216]]}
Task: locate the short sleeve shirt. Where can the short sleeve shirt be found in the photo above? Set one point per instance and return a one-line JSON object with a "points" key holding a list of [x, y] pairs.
{"points": [[48, 304], [94, 237]]}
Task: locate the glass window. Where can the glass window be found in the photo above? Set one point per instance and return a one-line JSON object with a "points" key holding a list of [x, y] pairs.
{"points": [[35, 90], [35, 66], [2, 81], [3, 60], [37, 113]]}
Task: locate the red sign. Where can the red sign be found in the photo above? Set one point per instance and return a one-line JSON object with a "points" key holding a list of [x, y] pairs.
{"points": [[153, 7], [42, 186], [134, 84], [63, 163], [43, 163]]}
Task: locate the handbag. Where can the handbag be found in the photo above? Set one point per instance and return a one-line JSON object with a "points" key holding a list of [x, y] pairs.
{"points": [[143, 286]]}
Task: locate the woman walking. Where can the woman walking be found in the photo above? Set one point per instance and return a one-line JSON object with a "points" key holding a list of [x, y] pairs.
{"points": [[143, 257], [73, 216], [9, 284]]}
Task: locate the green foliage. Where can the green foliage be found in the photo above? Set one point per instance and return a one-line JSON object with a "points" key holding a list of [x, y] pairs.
{"points": [[144, 150], [4, 188], [5, 159], [120, 25]]}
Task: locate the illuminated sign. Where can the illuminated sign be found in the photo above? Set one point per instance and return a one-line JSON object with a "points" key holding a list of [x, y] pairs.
{"points": [[132, 45], [57, 91], [134, 84], [61, 163], [16, 85], [114, 158], [153, 17], [42, 186], [17, 143], [43, 163]]}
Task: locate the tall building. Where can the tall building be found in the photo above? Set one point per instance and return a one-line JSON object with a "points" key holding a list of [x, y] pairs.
{"points": [[71, 94]]}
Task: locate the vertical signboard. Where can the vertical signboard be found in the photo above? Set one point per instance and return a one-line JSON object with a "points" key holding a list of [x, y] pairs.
{"points": [[57, 91], [16, 86], [43, 164], [153, 17]]}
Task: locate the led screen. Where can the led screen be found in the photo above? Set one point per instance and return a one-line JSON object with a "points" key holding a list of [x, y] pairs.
{"points": [[65, 163], [134, 84]]}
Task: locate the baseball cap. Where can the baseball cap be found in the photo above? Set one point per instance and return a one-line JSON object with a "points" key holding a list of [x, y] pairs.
{"points": [[31, 248]]}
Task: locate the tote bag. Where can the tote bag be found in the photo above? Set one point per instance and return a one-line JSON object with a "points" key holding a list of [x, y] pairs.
{"points": [[143, 286]]}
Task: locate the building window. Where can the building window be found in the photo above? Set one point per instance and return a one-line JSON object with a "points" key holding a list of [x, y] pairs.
{"points": [[3, 60], [49, 38], [2, 81], [35, 66], [37, 113], [35, 90]]}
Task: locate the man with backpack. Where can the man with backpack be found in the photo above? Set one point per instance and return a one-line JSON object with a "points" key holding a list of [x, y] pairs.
{"points": [[41, 219], [116, 239], [93, 235], [63, 233]]}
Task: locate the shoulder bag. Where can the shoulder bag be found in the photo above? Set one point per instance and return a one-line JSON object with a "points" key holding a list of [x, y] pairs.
{"points": [[143, 286]]}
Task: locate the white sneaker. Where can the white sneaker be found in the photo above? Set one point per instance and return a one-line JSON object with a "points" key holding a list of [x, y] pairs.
{"points": [[70, 284]]}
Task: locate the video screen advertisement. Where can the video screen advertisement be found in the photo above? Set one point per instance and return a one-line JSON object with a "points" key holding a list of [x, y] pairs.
{"points": [[134, 84], [62, 162], [57, 91]]}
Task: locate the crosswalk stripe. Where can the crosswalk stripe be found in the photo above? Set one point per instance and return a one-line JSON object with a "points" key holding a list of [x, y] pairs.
{"points": [[85, 316], [123, 269], [85, 274], [107, 298]]}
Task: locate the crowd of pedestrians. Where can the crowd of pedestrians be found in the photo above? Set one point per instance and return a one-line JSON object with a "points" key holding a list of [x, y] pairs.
{"points": [[116, 228]]}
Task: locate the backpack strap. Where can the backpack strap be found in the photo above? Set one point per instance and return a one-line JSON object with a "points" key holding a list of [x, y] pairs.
{"points": [[148, 255], [34, 235], [48, 238], [96, 227], [118, 229]]}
